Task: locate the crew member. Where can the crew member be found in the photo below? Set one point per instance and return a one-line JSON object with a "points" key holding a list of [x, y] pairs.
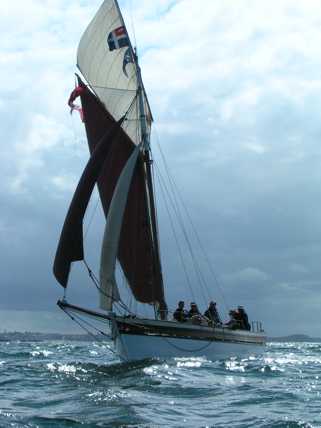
{"points": [[233, 322], [212, 313], [193, 311], [244, 318], [180, 314]]}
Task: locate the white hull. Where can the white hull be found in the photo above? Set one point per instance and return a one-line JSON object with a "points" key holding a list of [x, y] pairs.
{"points": [[136, 347], [137, 338]]}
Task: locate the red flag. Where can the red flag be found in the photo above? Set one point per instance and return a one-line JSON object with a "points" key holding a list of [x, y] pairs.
{"points": [[75, 94]]}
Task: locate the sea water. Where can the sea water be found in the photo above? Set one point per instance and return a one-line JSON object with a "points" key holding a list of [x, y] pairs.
{"points": [[84, 384]]}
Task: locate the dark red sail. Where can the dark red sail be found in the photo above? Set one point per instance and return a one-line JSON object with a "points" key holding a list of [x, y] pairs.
{"points": [[70, 247], [136, 252]]}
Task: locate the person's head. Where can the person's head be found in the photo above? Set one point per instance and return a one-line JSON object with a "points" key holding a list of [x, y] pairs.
{"points": [[212, 304], [193, 306], [181, 304], [240, 308]]}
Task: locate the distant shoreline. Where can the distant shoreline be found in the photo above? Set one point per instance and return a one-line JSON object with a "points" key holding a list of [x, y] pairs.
{"points": [[294, 338], [33, 336]]}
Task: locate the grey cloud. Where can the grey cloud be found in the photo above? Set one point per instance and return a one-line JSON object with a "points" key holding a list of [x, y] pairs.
{"points": [[238, 113]]}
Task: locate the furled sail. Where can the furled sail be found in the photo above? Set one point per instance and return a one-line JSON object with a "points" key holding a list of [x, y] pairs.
{"points": [[106, 59], [109, 291], [70, 247]]}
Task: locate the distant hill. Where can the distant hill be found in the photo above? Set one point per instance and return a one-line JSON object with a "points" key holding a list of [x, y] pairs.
{"points": [[30, 336], [294, 338]]}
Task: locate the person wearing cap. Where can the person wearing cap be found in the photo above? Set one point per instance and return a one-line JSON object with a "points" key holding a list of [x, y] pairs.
{"points": [[180, 314], [193, 311], [212, 314]]}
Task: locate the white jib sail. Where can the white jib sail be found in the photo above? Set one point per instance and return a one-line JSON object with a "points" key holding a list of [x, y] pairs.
{"points": [[109, 290], [106, 60]]}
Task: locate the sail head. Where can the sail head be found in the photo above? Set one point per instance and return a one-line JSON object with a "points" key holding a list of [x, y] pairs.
{"points": [[107, 60]]}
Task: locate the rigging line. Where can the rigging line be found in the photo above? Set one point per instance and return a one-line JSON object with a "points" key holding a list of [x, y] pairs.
{"points": [[88, 323], [175, 235], [179, 215], [132, 104], [96, 282], [197, 268], [202, 248], [125, 285], [91, 218], [193, 228], [74, 318], [202, 348], [172, 222], [206, 258], [109, 88], [132, 23], [97, 319], [156, 208], [211, 269], [180, 222], [95, 337]]}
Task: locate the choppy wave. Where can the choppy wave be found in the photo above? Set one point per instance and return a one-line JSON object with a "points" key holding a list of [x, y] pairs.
{"points": [[55, 384]]}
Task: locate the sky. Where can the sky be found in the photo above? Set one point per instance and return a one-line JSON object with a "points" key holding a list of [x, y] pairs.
{"points": [[235, 91]]}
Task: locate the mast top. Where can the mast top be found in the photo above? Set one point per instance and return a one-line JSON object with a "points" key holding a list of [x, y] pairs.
{"points": [[109, 63]]}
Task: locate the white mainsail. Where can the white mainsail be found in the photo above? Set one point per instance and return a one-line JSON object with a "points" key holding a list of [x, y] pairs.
{"points": [[107, 61], [109, 291]]}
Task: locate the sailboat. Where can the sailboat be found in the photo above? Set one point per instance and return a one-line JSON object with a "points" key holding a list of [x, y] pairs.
{"points": [[118, 119]]}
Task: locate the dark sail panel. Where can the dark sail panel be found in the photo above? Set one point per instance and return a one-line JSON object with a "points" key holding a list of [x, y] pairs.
{"points": [[70, 247], [136, 252]]}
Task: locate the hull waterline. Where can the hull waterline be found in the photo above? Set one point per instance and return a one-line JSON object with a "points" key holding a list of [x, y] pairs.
{"points": [[139, 339], [136, 347]]}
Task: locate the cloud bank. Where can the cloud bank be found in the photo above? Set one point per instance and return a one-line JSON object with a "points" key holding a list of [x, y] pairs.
{"points": [[235, 91]]}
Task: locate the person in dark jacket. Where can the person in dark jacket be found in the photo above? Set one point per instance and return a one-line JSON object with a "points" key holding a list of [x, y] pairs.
{"points": [[212, 314], [243, 318], [180, 314], [234, 322], [193, 311]]}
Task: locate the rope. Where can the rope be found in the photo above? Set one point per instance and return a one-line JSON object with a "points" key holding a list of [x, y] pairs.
{"points": [[91, 219], [79, 323], [181, 223], [74, 318], [179, 216], [174, 185], [111, 89], [201, 246], [96, 283], [132, 22], [176, 238], [188, 350]]}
